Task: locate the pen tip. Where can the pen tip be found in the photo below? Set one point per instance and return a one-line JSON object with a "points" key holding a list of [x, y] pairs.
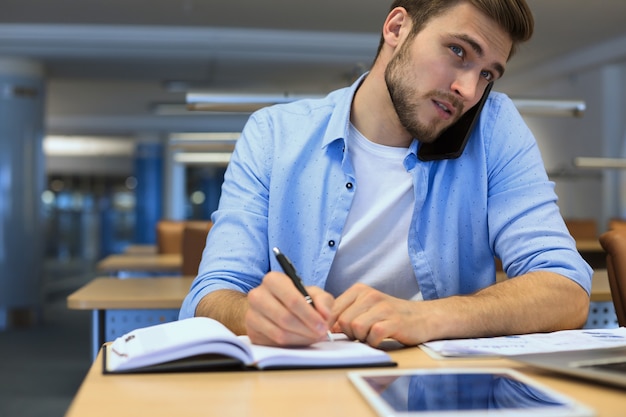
{"points": [[276, 251]]}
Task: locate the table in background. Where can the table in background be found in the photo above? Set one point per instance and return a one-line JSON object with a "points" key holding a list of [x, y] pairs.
{"points": [[140, 250], [124, 265], [303, 393], [122, 305], [592, 252], [589, 245]]}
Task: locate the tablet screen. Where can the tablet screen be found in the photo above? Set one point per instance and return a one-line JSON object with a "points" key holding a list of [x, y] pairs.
{"points": [[460, 392]]}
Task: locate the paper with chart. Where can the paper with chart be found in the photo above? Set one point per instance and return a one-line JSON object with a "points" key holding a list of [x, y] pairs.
{"points": [[564, 340]]}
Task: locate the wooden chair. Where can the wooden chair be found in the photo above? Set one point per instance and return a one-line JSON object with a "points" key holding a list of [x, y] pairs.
{"points": [[194, 240], [614, 244], [169, 236]]}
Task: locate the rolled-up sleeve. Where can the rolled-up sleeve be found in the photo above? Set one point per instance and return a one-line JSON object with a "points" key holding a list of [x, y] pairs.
{"points": [[235, 256], [527, 229]]}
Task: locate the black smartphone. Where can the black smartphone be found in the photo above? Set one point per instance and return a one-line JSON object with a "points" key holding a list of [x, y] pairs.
{"points": [[452, 141]]}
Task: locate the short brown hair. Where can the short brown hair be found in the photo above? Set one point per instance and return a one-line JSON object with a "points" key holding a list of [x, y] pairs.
{"points": [[514, 16]]}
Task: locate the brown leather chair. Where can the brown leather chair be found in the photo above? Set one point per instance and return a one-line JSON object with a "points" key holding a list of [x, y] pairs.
{"points": [[194, 240], [169, 236], [614, 244]]}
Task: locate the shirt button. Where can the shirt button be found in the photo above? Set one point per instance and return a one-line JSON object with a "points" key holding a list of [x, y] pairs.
{"points": [[349, 186], [331, 243]]}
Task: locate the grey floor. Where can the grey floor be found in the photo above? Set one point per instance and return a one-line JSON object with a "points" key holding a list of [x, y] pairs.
{"points": [[43, 365]]}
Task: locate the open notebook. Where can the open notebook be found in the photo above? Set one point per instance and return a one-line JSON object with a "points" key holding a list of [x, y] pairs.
{"points": [[202, 343]]}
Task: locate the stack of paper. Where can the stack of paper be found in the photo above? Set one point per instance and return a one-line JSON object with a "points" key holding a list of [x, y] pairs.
{"points": [[565, 340]]}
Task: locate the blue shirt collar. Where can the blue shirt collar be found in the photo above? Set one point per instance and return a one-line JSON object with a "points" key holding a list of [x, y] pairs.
{"points": [[340, 119]]}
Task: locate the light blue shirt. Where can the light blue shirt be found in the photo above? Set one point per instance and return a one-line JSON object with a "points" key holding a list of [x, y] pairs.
{"points": [[290, 184]]}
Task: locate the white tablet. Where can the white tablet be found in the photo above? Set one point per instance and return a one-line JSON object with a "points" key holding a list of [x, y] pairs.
{"points": [[461, 392]]}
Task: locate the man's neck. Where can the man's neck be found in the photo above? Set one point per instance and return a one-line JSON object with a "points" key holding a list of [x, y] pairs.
{"points": [[373, 113]]}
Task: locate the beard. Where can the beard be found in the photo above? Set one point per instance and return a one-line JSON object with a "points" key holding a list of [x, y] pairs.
{"points": [[404, 99]]}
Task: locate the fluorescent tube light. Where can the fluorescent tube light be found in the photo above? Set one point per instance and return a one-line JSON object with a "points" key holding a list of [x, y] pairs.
{"points": [[537, 107], [202, 158], [600, 163], [247, 103]]}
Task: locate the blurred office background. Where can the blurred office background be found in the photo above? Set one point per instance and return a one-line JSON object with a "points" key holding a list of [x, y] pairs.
{"points": [[97, 141]]}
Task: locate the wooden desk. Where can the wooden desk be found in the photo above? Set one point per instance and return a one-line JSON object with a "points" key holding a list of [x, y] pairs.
{"points": [[133, 293], [589, 245], [120, 305], [111, 297], [592, 252], [141, 250], [600, 290], [145, 263], [168, 292], [304, 393]]}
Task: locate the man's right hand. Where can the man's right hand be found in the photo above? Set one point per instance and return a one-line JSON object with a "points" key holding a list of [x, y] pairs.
{"points": [[278, 315]]}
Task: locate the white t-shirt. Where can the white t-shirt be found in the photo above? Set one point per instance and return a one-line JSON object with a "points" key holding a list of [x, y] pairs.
{"points": [[373, 247]]}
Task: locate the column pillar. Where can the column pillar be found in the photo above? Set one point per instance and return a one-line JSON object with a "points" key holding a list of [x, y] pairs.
{"points": [[212, 187], [149, 190], [175, 186], [611, 136], [22, 178]]}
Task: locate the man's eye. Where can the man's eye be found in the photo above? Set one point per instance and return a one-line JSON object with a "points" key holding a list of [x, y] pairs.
{"points": [[487, 75], [457, 50]]}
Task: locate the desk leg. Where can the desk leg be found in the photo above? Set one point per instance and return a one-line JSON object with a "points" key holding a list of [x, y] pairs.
{"points": [[97, 332]]}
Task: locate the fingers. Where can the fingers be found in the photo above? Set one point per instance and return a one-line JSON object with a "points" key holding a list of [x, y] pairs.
{"points": [[324, 303], [355, 311], [369, 315], [279, 315]]}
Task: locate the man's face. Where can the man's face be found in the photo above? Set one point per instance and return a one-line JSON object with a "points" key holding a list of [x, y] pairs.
{"points": [[434, 77]]}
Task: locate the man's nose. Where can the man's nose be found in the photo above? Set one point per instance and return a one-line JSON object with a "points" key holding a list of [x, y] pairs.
{"points": [[465, 85]]}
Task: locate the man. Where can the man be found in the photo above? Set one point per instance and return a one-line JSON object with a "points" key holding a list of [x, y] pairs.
{"points": [[391, 246]]}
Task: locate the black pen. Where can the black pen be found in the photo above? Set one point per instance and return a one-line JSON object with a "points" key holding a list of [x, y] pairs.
{"points": [[290, 271]]}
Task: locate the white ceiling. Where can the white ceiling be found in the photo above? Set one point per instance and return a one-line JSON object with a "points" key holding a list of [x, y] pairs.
{"points": [[107, 61]]}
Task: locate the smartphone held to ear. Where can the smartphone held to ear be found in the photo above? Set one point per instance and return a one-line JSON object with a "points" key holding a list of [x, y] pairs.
{"points": [[451, 143]]}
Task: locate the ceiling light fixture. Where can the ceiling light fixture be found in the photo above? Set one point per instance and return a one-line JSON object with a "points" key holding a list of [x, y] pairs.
{"points": [[540, 107], [600, 163], [206, 101], [88, 146], [247, 103], [203, 158]]}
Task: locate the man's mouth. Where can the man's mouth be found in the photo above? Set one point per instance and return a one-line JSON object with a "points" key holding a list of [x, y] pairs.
{"points": [[445, 108]]}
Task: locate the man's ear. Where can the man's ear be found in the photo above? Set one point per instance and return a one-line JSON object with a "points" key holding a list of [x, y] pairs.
{"points": [[396, 26]]}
